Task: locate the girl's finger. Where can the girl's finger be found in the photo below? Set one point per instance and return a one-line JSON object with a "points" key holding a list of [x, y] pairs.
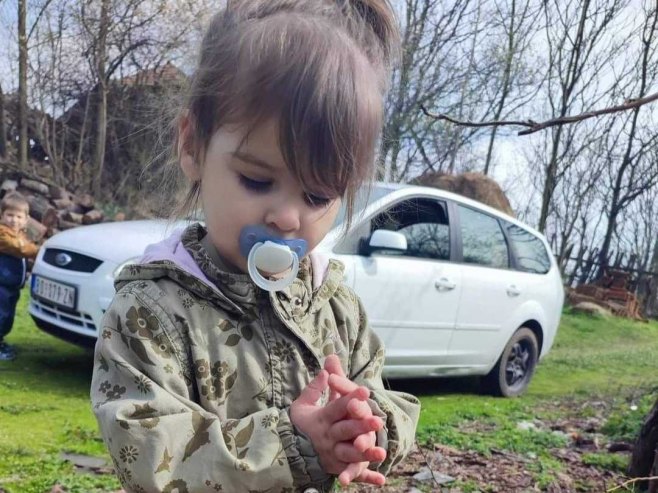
{"points": [[333, 366], [314, 390], [337, 410], [365, 441], [351, 472], [346, 452], [341, 384], [358, 409], [350, 429], [371, 477]]}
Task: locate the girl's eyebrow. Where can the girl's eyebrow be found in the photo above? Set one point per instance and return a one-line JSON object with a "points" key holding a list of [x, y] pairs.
{"points": [[248, 158]]}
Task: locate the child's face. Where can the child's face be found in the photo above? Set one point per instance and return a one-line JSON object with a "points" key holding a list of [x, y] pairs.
{"points": [[16, 219], [251, 185]]}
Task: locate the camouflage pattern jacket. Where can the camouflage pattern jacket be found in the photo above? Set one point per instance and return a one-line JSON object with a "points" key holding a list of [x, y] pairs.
{"points": [[195, 370]]}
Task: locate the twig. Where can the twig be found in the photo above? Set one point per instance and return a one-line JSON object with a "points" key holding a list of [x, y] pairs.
{"points": [[631, 481], [533, 126], [427, 462]]}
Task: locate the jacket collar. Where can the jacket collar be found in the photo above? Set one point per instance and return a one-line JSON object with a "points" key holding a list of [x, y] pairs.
{"points": [[183, 258]]}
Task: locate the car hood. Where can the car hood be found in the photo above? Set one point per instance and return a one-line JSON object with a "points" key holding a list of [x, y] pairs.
{"points": [[115, 241]]}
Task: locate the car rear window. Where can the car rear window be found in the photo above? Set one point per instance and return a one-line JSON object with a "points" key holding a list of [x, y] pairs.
{"points": [[530, 252]]}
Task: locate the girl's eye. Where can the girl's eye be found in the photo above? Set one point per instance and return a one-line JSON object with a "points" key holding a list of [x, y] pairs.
{"points": [[255, 185], [316, 201]]}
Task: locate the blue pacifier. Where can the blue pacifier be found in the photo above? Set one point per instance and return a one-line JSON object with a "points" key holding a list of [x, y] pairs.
{"points": [[268, 253]]}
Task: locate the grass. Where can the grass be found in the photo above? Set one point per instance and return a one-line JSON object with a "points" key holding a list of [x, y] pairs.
{"points": [[593, 359], [45, 411]]}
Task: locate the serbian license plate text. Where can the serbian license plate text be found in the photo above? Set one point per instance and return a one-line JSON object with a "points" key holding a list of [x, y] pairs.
{"points": [[58, 293]]}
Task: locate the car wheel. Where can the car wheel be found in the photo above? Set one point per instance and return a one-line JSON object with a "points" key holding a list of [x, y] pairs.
{"points": [[515, 367]]}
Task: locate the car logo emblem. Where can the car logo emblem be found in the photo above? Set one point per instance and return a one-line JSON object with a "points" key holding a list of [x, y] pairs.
{"points": [[63, 259]]}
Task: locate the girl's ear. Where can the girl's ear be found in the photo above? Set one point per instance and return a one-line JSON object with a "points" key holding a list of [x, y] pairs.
{"points": [[185, 148]]}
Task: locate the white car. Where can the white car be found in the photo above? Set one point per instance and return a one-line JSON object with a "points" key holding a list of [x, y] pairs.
{"points": [[452, 287]]}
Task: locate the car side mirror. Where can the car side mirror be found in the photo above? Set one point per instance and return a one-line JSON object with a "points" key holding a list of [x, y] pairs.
{"points": [[385, 240]]}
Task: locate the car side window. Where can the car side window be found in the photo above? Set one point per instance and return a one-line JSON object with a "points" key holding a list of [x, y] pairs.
{"points": [[530, 252], [423, 222], [483, 242]]}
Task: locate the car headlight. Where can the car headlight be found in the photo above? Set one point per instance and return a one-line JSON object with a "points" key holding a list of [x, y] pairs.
{"points": [[124, 264]]}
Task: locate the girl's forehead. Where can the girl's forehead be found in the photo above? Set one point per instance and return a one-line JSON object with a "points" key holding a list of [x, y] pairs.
{"points": [[256, 144]]}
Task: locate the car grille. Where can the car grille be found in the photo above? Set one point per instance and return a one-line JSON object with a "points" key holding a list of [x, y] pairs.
{"points": [[78, 262], [70, 316]]}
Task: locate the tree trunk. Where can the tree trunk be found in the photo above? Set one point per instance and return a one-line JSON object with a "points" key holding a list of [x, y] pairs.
{"points": [[509, 59], [101, 121], [3, 126], [551, 179], [22, 86], [649, 290], [643, 460]]}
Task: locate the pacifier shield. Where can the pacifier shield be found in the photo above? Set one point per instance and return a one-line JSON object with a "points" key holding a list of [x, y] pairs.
{"points": [[250, 235], [270, 254]]}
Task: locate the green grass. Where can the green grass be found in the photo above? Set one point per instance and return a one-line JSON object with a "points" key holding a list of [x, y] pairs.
{"points": [[44, 411], [44, 404], [613, 360]]}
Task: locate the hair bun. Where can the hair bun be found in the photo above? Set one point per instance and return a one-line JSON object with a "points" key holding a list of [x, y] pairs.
{"points": [[380, 19]]}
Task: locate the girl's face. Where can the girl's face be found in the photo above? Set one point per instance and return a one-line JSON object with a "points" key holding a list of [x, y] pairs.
{"points": [[246, 182]]}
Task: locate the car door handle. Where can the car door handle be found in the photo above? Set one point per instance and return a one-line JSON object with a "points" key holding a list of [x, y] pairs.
{"points": [[444, 284], [513, 291]]}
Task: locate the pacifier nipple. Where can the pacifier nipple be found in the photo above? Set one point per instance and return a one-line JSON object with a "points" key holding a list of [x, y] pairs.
{"points": [[273, 258]]}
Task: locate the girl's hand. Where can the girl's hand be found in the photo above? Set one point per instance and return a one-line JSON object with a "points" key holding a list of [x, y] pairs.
{"points": [[363, 443], [317, 423]]}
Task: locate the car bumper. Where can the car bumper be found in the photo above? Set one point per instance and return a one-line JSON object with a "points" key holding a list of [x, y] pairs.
{"points": [[94, 294], [65, 333]]}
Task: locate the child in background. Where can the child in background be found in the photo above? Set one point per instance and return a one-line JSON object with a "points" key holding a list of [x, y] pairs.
{"points": [[14, 249], [211, 373]]}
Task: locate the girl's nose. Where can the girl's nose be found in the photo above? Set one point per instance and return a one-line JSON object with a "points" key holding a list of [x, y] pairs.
{"points": [[284, 217]]}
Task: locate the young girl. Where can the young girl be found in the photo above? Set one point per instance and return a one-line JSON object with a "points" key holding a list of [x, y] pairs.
{"points": [[211, 374]]}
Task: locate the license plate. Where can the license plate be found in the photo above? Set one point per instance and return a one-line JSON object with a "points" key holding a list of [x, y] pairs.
{"points": [[55, 292]]}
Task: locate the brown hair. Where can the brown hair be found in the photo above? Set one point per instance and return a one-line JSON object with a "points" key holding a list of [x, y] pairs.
{"points": [[14, 201], [320, 68]]}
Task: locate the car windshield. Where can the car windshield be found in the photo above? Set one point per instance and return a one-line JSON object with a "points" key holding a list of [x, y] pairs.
{"points": [[363, 198]]}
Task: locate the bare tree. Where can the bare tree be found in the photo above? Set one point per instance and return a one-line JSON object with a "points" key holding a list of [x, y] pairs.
{"points": [[3, 126], [22, 85], [518, 21], [99, 56], [635, 171], [54, 78], [432, 33], [113, 34], [465, 58], [577, 54]]}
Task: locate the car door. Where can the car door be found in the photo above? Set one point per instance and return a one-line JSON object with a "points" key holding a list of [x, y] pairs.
{"points": [[491, 290], [412, 297]]}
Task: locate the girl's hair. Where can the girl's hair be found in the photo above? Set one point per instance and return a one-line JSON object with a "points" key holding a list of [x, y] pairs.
{"points": [[319, 68]]}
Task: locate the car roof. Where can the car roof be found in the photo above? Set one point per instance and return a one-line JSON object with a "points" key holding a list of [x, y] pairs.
{"points": [[400, 191]]}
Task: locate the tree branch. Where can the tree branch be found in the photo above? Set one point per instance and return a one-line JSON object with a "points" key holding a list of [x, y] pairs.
{"points": [[533, 126]]}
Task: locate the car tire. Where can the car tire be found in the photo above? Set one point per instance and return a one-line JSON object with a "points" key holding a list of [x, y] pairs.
{"points": [[515, 367]]}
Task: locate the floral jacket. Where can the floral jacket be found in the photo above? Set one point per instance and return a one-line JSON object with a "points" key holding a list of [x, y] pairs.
{"points": [[195, 370]]}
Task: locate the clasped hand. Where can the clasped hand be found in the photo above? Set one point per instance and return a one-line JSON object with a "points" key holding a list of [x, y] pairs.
{"points": [[343, 431]]}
